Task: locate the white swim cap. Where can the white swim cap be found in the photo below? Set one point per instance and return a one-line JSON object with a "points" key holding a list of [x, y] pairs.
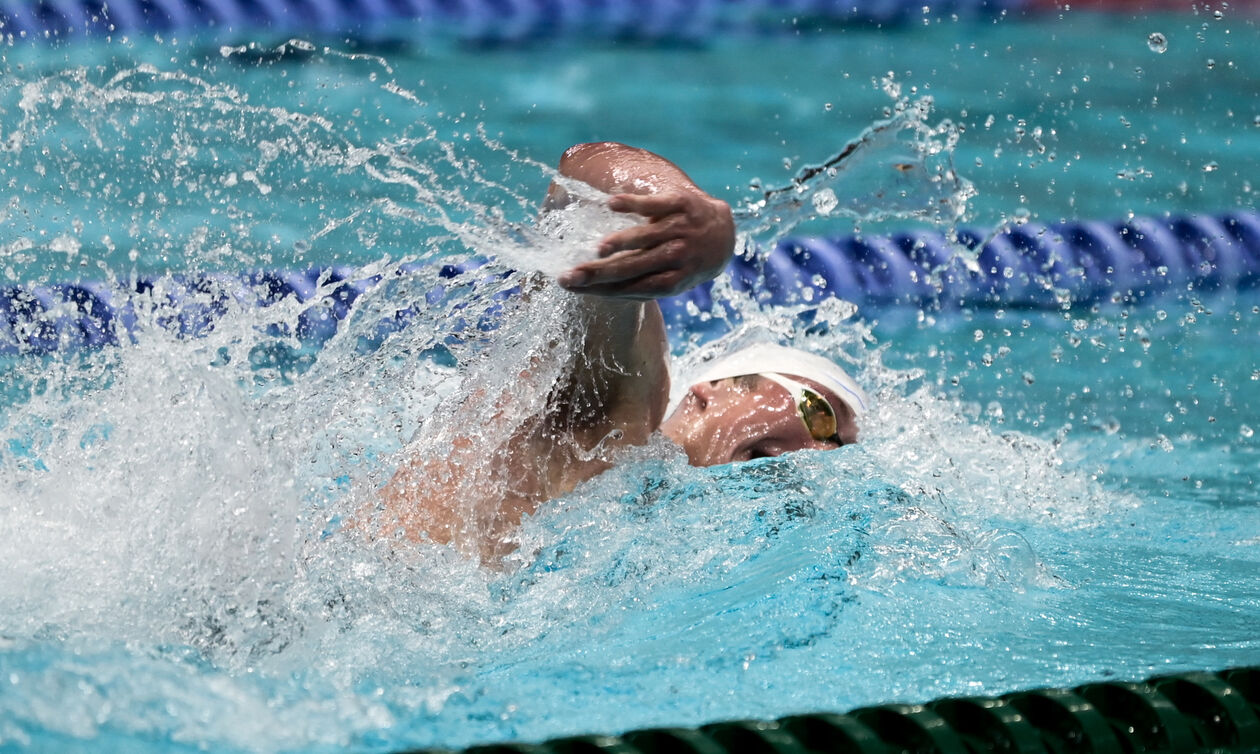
{"points": [[762, 358]]}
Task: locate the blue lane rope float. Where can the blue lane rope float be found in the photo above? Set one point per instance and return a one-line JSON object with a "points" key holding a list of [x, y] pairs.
{"points": [[1028, 266], [1180, 714], [1031, 265], [501, 22]]}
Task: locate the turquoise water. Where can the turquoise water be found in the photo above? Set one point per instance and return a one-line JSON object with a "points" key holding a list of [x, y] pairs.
{"points": [[1040, 498]]}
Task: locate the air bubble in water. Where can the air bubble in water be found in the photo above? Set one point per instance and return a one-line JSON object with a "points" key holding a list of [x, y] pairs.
{"points": [[1246, 431], [825, 201], [1211, 167], [1157, 42]]}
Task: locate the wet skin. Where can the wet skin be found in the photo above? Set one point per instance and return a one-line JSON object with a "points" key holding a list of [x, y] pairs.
{"points": [[741, 418]]}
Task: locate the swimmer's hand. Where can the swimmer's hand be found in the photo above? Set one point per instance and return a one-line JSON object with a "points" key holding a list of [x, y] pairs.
{"points": [[688, 239]]}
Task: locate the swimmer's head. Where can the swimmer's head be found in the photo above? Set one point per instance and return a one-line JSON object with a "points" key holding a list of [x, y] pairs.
{"points": [[765, 400]]}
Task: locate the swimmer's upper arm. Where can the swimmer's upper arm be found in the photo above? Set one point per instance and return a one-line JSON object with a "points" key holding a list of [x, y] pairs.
{"points": [[616, 168]]}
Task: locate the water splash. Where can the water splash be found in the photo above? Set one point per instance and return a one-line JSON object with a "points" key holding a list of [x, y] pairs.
{"points": [[898, 168]]}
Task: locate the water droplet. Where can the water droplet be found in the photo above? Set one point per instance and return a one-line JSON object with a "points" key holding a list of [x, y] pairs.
{"points": [[1246, 431], [825, 201], [1157, 42], [66, 245], [994, 409]]}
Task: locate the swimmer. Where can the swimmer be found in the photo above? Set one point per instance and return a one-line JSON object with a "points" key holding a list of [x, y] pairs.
{"points": [[764, 400]]}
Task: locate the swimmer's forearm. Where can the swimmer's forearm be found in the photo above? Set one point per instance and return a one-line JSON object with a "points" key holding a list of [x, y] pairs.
{"points": [[622, 379]]}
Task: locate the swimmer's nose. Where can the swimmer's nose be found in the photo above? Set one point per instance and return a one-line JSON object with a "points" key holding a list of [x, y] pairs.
{"points": [[704, 392]]}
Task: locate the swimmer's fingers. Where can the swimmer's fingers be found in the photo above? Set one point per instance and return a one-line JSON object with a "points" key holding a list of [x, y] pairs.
{"points": [[652, 205], [671, 215], [688, 239], [644, 288], [645, 236], [602, 276]]}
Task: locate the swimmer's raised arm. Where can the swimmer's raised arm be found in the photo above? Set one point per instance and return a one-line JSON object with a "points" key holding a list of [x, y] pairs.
{"points": [[688, 238], [614, 392], [623, 381]]}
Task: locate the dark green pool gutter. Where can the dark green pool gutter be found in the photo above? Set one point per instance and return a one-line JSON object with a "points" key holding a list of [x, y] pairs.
{"points": [[1190, 712]]}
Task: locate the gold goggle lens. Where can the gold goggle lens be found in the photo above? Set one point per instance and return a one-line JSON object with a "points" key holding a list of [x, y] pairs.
{"points": [[820, 418]]}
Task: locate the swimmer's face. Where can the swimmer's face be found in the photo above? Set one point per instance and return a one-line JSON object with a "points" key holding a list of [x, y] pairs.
{"points": [[741, 418]]}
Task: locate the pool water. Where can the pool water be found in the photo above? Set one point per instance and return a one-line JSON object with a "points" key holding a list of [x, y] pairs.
{"points": [[1040, 498]]}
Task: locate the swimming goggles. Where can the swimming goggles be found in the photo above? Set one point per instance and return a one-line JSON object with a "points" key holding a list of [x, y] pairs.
{"points": [[815, 410]]}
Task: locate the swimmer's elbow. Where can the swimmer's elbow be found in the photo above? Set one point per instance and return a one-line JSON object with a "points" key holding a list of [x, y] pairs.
{"points": [[580, 153]]}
